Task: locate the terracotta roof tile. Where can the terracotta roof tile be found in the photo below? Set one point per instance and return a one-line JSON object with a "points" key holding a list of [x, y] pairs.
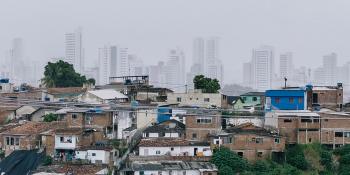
{"points": [[30, 128]]}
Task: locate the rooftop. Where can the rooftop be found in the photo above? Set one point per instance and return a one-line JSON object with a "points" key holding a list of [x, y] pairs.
{"points": [[172, 165], [71, 168], [254, 94], [165, 142], [73, 131], [166, 126], [30, 128], [108, 94], [68, 90]]}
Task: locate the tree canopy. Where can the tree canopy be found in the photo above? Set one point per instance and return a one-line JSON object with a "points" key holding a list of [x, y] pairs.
{"points": [[207, 85], [62, 74]]}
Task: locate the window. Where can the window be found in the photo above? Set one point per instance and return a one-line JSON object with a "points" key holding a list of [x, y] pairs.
{"points": [[255, 99], [204, 120], [310, 140], [316, 120], [287, 120], [306, 120], [61, 139], [291, 100], [206, 99], [326, 120], [142, 173], [7, 140], [172, 148], [346, 134], [277, 140], [157, 152], [194, 135], [17, 141], [191, 98], [12, 141], [93, 154], [74, 116], [338, 134], [178, 99], [244, 98], [226, 140], [277, 100], [259, 140], [300, 100], [260, 154], [240, 154]]}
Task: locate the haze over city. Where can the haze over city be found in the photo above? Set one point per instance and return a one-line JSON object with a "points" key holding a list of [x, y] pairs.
{"points": [[149, 29]]}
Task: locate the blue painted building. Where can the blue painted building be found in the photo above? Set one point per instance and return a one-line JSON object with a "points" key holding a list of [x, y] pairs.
{"points": [[164, 113], [286, 99]]}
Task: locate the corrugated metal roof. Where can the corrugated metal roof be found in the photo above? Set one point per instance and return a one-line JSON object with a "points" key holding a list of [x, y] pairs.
{"points": [[108, 94]]}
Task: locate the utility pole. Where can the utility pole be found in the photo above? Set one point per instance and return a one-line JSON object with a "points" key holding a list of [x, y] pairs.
{"points": [[285, 82]]}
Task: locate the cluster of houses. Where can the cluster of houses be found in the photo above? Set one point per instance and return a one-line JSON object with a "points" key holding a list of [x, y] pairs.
{"points": [[131, 127]]}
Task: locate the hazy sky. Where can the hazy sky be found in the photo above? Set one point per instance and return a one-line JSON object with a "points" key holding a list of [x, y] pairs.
{"points": [[308, 28]]}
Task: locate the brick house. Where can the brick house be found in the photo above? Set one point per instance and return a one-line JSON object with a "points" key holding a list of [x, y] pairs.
{"points": [[327, 96], [199, 126], [251, 142], [101, 121], [26, 136], [329, 128]]}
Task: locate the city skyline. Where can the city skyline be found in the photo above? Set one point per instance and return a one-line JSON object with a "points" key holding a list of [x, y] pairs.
{"points": [[287, 26]]}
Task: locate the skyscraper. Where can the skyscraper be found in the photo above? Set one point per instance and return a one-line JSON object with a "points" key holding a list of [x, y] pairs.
{"points": [[74, 50], [247, 74], [135, 65], [175, 70], [198, 56], [123, 62], [114, 61], [104, 57], [286, 65], [330, 68], [263, 67], [214, 66]]}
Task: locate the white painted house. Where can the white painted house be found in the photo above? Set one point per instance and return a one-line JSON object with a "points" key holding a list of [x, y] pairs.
{"points": [[173, 147], [95, 154], [67, 139]]}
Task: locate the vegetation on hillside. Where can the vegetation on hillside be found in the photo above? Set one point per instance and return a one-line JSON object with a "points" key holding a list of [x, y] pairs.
{"points": [[310, 159], [62, 74], [207, 85]]}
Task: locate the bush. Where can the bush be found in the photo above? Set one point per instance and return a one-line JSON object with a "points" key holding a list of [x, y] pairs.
{"points": [[295, 157], [225, 157], [47, 160], [226, 170], [50, 117]]}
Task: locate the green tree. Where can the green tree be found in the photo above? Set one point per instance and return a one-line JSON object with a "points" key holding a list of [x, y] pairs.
{"points": [[62, 74], [224, 157], [50, 117], [226, 170], [208, 85], [296, 157]]}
